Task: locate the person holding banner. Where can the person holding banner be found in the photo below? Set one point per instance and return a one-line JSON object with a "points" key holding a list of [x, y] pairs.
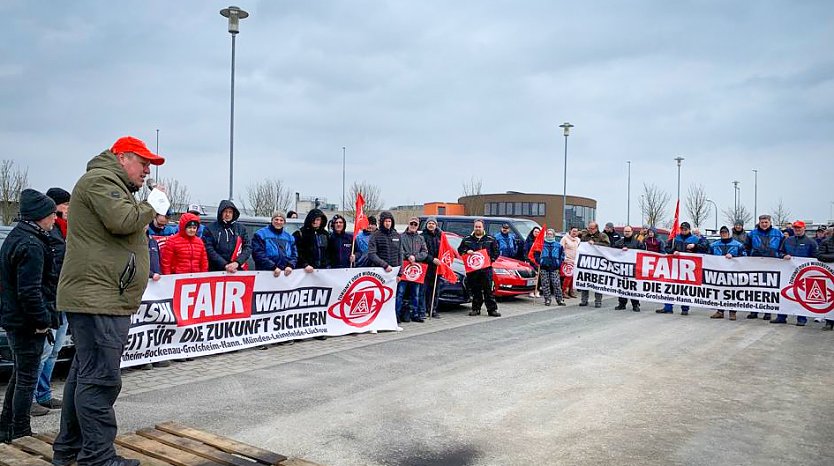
{"points": [[479, 281], [413, 251], [764, 241], [728, 247], [362, 240], [227, 242], [311, 242], [628, 241], [384, 248], [273, 248], [798, 245], [593, 236], [101, 286], [570, 244], [340, 245], [685, 241], [825, 253], [550, 260], [432, 236]]}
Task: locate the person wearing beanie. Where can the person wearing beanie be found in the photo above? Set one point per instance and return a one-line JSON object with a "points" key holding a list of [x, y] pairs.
{"points": [[185, 252], [728, 247], [612, 234], [549, 260], [479, 282], [101, 285], [362, 239], [798, 245], [685, 241], [28, 281], [413, 250], [273, 249], [340, 244], [44, 401], [628, 241], [431, 236], [509, 244]]}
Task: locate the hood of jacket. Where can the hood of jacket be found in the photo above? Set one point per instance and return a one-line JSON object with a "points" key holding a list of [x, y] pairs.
{"points": [[187, 217], [225, 204], [108, 161], [311, 216], [382, 218]]}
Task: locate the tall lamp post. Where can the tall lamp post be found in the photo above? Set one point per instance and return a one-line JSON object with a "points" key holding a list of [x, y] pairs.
{"points": [[715, 208], [565, 126], [736, 192], [755, 192], [679, 159], [234, 14], [343, 179], [156, 175], [628, 196]]}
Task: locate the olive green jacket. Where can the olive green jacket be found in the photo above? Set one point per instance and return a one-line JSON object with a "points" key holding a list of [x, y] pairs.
{"points": [[598, 238], [107, 262]]}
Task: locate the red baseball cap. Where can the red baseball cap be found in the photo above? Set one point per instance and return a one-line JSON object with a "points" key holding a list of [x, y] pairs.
{"points": [[799, 224], [131, 144]]}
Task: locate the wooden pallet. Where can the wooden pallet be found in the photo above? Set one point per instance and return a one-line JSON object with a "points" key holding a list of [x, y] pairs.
{"points": [[167, 444]]}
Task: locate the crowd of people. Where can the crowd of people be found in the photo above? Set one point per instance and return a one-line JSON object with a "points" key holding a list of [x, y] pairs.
{"points": [[81, 254]]}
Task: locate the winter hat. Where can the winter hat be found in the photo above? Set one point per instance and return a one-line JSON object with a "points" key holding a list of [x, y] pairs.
{"points": [[58, 195], [609, 225], [723, 229], [278, 213], [431, 219], [686, 225], [35, 205]]}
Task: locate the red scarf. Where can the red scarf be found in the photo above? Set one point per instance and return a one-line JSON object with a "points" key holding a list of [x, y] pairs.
{"points": [[61, 223]]}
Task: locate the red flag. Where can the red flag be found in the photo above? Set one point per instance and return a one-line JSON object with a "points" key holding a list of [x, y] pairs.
{"points": [[360, 220], [538, 245], [447, 255], [676, 224], [476, 261], [414, 272], [237, 251]]}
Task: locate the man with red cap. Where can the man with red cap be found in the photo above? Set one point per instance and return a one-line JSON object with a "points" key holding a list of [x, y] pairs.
{"points": [[798, 245], [101, 285]]}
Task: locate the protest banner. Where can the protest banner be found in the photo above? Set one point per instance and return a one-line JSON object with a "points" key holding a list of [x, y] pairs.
{"points": [[476, 261], [191, 315], [414, 272], [798, 286]]}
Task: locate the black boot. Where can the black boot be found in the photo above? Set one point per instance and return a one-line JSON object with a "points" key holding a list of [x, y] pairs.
{"points": [[474, 312], [494, 313]]}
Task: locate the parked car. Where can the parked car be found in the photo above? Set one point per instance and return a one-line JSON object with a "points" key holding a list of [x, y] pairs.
{"points": [[662, 233], [461, 225], [6, 361], [510, 277]]}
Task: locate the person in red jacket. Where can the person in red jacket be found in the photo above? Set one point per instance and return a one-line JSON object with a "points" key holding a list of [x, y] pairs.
{"points": [[185, 252]]}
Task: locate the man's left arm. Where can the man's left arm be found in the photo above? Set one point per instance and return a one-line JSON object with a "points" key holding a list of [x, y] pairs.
{"points": [[119, 213]]}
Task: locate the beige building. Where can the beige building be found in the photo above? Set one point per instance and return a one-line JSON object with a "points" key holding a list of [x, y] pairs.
{"points": [[543, 208]]}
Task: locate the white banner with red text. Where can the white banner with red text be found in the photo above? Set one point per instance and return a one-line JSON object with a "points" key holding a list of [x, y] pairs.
{"points": [[798, 286], [190, 315]]}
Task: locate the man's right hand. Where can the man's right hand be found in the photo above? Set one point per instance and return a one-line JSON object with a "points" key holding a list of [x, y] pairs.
{"points": [[309, 269], [436, 261], [232, 267], [389, 269], [42, 330]]}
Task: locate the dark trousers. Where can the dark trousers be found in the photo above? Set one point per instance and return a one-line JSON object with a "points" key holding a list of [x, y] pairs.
{"points": [[479, 284], [622, 302], [88, 421], [26, 347]]}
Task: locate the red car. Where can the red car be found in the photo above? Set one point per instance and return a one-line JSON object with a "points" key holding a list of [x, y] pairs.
{"points": [[510, 277]]}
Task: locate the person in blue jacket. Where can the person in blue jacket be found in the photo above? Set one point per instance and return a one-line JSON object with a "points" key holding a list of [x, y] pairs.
{"points": [[273, 248], [728, 247], [509, 244], [798, 245], [361, 248], [550, 259], [764, 241], [685, 241], [339, 245], [161, 225]]}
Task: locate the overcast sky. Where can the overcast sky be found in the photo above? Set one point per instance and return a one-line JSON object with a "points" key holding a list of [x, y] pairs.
{"points": [[427, 94]]}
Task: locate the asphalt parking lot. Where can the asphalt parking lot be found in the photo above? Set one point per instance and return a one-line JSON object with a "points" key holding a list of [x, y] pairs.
{"points": [[536, 386]]}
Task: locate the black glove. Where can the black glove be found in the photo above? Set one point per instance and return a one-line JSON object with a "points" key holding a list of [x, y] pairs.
{"points": [[50, 337]]}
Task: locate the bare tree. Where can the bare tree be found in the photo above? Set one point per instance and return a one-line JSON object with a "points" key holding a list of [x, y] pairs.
{"points": [[13, 180], [472, 188], [269, 195], [740, 214], [781, 214], [696, 204], [653, 204], [371, 194]]}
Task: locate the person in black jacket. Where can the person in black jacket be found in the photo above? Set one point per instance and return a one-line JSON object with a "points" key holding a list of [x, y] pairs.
{"points": [[384, 246], [825, 253], [29, 283], [227, 243], [431, 235], [311, 242], [479, 282], [340, 244], [628, 241]]}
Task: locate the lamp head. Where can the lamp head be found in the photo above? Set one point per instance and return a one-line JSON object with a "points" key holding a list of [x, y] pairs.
{"points": [[234, 14]]}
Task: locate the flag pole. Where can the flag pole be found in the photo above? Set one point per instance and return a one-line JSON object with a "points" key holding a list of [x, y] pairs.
{"points": [[352, 246], [433, 291], [538, 277]]}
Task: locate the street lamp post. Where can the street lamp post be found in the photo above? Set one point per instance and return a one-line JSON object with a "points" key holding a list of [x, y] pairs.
{"points": [[679, 159], [715, 208], [343, 179], [628, 196], [736, 193], [234, 14], [755, 192], [565, 126]]}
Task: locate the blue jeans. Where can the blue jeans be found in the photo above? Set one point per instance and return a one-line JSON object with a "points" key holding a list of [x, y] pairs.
{"points": [[415, 299], [668, 308], [43, 392], [799, 319]]}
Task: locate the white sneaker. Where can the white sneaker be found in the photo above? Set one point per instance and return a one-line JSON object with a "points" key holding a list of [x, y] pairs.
{"points": [[373, 331], [817, 319], [399, 329]]}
